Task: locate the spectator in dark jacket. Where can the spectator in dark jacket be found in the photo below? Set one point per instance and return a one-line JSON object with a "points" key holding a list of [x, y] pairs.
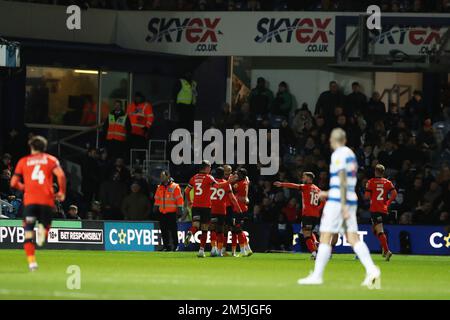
{"points": [[124, 173], [376, 109], [90, 175], [72, 213], [283, 103], [138, 177], [136, 206], [328, 101], [416, 110], [260, 98], [112, 193], [355, 101]]}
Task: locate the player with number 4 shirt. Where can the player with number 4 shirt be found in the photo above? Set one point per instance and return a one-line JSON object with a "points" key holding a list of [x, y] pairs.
{"points": [[34, 176], [311, 208]]}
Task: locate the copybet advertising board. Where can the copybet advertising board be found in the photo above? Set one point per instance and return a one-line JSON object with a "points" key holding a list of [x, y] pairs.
{"points": [[427, 240], [302, 34], [136, 236]]}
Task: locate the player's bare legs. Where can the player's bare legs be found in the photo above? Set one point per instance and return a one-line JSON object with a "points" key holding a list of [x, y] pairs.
{"points": [[213, 235], [378, 231], [310, 242], [220, 237], [193, 230], [203, 238], [29, 245]]}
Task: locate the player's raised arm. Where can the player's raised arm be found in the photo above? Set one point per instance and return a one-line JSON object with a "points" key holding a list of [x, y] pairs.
{"points": [[61, 178], [225, 184], [287, 185]]}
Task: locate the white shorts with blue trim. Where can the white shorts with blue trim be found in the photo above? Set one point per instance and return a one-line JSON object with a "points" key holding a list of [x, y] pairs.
{"points": [[333, 222]]}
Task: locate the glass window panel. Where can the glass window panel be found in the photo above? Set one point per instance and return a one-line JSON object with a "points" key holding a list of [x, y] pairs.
{"points": [[61, 96], [115, 86], [155, 88]]}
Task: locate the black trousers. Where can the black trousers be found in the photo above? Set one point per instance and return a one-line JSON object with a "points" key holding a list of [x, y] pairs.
{"points": [[169, 229]]}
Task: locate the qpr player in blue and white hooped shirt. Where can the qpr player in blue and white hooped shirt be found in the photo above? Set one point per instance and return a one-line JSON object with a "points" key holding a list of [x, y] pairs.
{"points": [[339, 214]]}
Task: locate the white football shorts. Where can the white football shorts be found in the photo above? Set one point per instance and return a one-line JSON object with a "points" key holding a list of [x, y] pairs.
{"points": [[333, 222]]}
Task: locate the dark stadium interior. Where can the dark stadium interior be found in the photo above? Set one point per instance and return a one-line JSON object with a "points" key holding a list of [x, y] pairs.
{"points": [[257, 5]]}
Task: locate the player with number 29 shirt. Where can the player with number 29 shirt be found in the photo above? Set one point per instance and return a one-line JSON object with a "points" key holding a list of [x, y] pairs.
{"points": [[311, 208], [201, 183], [34, 176]]}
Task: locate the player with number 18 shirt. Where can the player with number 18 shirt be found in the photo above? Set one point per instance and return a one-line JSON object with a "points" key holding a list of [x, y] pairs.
{"points": [[312, 207]]}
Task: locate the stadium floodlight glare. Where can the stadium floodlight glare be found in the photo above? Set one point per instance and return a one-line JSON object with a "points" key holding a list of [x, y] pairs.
{"points": [[88, 71]]}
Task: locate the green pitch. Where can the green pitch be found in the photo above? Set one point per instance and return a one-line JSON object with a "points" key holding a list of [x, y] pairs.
{"points": [[136, 275]]}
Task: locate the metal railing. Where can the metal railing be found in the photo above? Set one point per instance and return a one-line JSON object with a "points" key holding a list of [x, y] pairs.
{"points": [[65, 142], [397, 90], [3, 203]]}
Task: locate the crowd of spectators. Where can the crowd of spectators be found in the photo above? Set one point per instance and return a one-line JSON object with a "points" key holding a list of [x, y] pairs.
{"points": [[412, 142], [258, 5], [108, 189]]}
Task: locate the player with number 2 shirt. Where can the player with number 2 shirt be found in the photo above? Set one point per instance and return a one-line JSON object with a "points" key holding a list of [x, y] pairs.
{"points": [[381, 193]]}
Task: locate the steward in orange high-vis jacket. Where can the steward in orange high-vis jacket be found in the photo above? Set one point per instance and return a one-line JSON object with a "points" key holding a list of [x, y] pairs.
{"points": [[116, 130], [168, 202], [141, 118]]}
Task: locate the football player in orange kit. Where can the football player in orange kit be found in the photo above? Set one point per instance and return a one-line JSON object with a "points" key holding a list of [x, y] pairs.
{"points": [[201, 204], [240, 188], [311, 208], [34, 176], [220, 197], [381, 193]]}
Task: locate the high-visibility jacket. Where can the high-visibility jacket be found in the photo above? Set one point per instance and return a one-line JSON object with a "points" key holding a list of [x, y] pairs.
{"points": [[168, 198], [141, 117], [117, 128], [187, 93]]}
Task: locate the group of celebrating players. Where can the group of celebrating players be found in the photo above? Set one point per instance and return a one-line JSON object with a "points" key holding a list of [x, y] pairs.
{"points": [[220, 205]]}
